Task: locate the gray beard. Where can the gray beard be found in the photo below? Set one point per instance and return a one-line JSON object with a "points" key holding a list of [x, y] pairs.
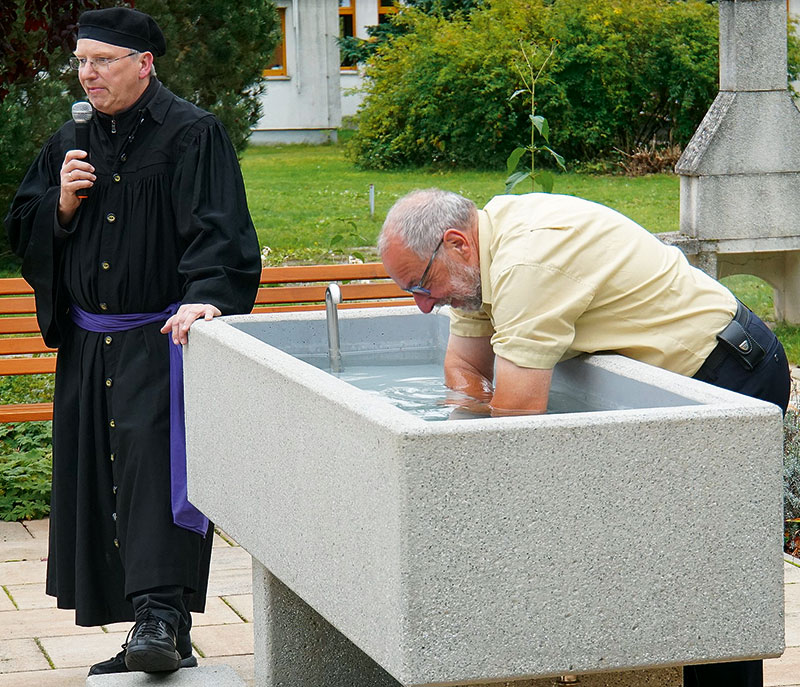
{"points": [[467, 289]]}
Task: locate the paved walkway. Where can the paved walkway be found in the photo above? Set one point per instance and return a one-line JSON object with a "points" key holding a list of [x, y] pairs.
{"points": [[40, 646]]}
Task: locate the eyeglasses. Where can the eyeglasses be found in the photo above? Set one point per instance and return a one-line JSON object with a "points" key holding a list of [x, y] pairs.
{"points": [[419, 288], [97, 63]]}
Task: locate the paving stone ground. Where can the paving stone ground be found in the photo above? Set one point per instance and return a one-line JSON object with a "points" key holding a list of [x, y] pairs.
{"points": [[40, 646]]}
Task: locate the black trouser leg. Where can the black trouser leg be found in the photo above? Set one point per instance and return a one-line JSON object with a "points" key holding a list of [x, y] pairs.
{"points": [[736, 674], [167, 603]]}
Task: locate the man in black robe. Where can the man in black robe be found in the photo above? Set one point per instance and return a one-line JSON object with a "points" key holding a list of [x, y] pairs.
{"points": [[165, 230]]}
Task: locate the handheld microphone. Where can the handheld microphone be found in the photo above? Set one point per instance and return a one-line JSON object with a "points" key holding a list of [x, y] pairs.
{"points": [[81, 115]]}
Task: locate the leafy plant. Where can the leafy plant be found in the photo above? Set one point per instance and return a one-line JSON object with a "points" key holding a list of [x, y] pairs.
{"points": [[530, 75], [791, 465], [347, 237], [25, 470]]}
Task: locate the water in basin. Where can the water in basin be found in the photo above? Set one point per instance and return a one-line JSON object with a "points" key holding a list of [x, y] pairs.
{"points": [[419, 389]]}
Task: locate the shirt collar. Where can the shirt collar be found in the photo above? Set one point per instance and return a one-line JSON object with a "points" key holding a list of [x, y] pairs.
{"points": [[485, 232], [159, 104]]}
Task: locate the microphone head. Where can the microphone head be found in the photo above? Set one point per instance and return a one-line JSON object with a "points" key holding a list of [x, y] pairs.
{"points": [[81, 112]]}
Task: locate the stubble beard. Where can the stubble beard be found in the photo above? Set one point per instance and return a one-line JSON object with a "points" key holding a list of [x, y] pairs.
{"points": [[465, 288]]}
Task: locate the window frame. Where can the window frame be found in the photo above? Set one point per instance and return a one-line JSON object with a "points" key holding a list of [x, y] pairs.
{"points": [[348, 12]]}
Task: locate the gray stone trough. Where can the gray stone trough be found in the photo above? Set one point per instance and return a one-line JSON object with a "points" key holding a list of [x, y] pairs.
{"points": [[638, 536]]}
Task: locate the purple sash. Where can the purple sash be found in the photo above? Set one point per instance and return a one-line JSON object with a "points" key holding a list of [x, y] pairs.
{"points": [[184, 514]]}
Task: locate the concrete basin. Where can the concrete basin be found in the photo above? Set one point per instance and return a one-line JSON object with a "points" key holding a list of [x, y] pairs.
{"points": [[641, 535]]}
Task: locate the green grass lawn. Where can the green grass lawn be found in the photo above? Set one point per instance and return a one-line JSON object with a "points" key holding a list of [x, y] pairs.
{"points": [[300, 197]]}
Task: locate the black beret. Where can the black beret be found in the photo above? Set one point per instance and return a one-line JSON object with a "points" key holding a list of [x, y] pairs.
{"points": [[124, 27]]}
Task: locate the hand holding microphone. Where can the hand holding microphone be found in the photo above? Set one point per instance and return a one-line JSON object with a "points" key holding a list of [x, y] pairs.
{"points": [[77, 175]]}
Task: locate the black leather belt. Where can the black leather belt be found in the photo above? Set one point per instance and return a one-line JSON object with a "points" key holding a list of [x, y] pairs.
{"points": [[735, 340]]}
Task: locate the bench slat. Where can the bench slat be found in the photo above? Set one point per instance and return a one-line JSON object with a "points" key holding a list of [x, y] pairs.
{"points": [[13, 286], [310, 273], [27, 366], [25, 344], [26, 412], [18, 305], [19, 325], [307, 294]]}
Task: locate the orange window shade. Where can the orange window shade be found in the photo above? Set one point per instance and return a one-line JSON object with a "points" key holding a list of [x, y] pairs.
{"points": [[277, 65]]}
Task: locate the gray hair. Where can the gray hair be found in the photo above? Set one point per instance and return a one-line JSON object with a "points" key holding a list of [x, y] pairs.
{"points": [[420, 218], [152, 65]]}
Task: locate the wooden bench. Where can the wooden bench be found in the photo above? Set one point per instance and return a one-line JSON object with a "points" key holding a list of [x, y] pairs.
{"points": [[302, 287]]}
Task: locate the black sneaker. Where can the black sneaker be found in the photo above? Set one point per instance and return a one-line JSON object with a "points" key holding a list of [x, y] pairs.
{"points": [[112, 665], [117, 664], [151, 647]]}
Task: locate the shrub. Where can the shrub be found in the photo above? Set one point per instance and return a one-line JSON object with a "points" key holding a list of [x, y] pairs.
{"points": [[440, 95], [626, 72], [791, 465], [25, 470]]}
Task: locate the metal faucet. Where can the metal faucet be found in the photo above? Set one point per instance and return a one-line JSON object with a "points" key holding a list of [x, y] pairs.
{"points": [[333, 296]]}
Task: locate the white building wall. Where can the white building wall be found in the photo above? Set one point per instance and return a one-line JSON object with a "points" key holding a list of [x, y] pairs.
{"points": [[306, 104]]}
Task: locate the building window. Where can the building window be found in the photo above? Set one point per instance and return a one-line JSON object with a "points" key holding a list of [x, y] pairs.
{"points": [[385, 9], [277, 65], [347, 26]]}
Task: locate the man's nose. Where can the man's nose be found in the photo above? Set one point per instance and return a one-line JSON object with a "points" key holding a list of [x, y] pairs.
{"points": [[424, 303]]}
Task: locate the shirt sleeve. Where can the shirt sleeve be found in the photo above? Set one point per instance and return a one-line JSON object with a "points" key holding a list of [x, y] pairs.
{"points": [[221, 264], [470, 324], [32, 226], [534, 313]]}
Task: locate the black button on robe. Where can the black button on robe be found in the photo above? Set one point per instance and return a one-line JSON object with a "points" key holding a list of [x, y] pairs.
{"points": [[166, 221]]}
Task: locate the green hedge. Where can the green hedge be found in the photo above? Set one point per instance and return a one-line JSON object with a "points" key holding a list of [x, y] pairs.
{"points": [[624, 72]]}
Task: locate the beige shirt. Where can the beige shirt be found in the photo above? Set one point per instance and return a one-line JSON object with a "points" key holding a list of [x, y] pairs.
{"points": [[563, 276]]}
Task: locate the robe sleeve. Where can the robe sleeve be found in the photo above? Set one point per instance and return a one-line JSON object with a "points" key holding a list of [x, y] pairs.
{"points": [[221, 263], [32, 224]]}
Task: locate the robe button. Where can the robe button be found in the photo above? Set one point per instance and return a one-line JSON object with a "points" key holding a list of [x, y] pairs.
{"points": [[116, 543], [116, 178], [103, 306], [109, 382], [111, 217], [108, 340], [112, 424], [105, 266]]}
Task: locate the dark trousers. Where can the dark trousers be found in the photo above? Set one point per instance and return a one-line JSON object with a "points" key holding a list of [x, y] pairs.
{"points": [[768, 381], [170, 605]]}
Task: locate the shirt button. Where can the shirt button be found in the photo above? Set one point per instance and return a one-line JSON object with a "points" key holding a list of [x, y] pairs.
{"points": [[109, 382], [116, 178], [116, 543], [105, 266], [112, 424], [114, 517], [123, 157], [114, 489], [108, 340], [113, 456], [111, 217], [103, 306]]}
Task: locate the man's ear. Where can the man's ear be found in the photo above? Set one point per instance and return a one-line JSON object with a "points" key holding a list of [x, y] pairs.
{"points": [[459, 241], [145, 65]]}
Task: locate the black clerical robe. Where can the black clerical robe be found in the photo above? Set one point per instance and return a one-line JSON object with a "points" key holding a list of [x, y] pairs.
{"points": [[165, 222]]}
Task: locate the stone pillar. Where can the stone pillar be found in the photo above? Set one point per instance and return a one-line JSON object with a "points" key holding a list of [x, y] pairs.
{"points": [[741, 170], [296, 647]]}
